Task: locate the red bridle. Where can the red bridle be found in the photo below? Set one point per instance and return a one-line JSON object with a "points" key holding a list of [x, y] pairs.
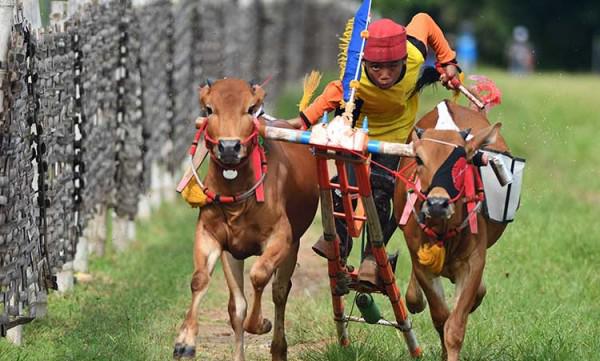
{"points": [[256, 156], [251, 141], [471, 193]]}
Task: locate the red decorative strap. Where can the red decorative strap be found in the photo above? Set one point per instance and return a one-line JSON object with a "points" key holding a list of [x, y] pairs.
{"points": [[471, 197], [256, 159]]}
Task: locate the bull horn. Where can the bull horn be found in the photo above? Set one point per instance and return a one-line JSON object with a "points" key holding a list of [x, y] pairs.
{"points": [[209, 82]]}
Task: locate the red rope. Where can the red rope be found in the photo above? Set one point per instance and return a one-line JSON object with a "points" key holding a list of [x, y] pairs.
{"points": [[261, 167]]}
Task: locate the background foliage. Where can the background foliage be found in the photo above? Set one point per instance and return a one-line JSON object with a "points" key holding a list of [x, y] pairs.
{"points": [[561, 31]]}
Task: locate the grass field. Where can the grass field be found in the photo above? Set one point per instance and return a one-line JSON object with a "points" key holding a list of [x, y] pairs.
{"points": [[542, 276]]}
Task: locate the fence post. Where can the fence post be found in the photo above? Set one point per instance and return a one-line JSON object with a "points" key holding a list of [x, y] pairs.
{"points": [[97, 232], [168, 187], [65, 279], [80, 262], [39, 306], [15, 335], [155, 185], [6, 20], [144, 208], [123, 232]]}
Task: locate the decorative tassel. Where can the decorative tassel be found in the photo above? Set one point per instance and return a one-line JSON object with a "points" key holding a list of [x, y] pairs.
{"points": [[486, 90], [432, 257], [193, 194], [344, 43], [311, 83]]}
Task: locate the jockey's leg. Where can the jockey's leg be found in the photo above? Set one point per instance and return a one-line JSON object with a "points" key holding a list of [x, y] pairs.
{"points": [[206, 252], [277, 248], [282, 285], [382, 185], [234, 274], [322, 247], [340, 224]]}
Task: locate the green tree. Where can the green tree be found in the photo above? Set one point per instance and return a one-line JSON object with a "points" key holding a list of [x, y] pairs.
{"points": [[561, 31]]}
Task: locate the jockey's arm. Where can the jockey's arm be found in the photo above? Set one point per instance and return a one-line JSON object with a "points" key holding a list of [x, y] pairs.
{"points": [[328, 101], [424, 28]]}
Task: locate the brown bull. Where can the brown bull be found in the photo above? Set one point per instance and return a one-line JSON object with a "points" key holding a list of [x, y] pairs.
{"points": [[438, 234], [234, 230]]}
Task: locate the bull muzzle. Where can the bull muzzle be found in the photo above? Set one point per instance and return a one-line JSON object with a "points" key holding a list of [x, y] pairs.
{"points": [[229, 151], [438, 207]]}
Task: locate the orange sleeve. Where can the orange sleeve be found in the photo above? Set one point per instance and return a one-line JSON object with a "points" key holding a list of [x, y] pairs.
{"points": [[329, 100], [427, 31]]}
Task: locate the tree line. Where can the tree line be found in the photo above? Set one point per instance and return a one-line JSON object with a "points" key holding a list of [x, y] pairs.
{"points": [[562, 32]]}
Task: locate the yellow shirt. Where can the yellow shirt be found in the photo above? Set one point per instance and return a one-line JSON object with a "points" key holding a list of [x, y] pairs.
{"points": [[391, 112]]}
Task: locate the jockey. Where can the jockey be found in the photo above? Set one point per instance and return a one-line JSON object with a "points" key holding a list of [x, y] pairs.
{"points": [[388, 97]]}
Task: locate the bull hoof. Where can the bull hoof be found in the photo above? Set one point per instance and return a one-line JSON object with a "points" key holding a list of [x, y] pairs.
{"points": [[265, 327], [184, 351]]}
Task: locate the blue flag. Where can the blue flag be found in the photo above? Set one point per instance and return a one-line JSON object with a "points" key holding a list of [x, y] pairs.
{"points": [[355, 47]]}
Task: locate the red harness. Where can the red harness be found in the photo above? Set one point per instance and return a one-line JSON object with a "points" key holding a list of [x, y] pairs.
{"points": [[257, 157], [471, 191]]}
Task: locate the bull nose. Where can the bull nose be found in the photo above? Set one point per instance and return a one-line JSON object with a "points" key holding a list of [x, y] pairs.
{"points": [[437, 202], [438, 206], [230, 146]]}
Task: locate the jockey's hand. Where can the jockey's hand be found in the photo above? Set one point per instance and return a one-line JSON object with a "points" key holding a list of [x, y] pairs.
{"points": [[297, 123], [450, 72]]}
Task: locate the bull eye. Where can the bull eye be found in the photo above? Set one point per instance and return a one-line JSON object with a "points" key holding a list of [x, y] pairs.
{"points": [[208, 109], [251, 110], [419, 160]]}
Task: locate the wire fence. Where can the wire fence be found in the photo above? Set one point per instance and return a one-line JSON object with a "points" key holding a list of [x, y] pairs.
{"points": [[90, 109]]}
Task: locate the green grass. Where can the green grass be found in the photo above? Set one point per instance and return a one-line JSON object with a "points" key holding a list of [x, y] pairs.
{"points": [[542, 276]]}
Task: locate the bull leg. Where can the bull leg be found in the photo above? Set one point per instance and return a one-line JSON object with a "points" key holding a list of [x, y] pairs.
{"points": [[281, 289], [415, 302], [468, 282], [277, 249], [481, 291], [438, 309], [234, 274], [206, 252]]}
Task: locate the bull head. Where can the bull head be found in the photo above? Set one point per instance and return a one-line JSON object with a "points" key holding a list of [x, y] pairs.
{"points": [[230, 106]]}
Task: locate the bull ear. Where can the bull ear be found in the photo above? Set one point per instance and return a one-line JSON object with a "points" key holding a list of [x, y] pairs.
{"points": [[203, 92], [419, 132], [259, 95], [416, 139], [484, 137]]}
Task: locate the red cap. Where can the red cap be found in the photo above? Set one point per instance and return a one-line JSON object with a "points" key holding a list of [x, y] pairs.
{"points": [[386, 41]]}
